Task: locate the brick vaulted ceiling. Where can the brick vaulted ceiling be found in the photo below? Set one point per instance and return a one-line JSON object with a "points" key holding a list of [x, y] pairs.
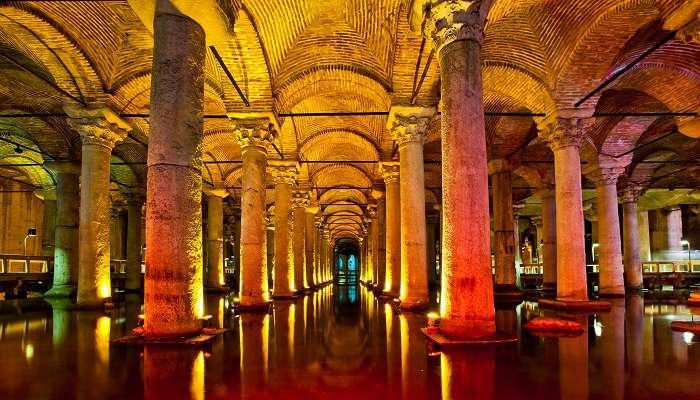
{"points": [[310, 56]]}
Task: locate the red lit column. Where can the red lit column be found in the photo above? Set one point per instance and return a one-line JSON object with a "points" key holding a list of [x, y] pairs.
{"points": [[467, 305], [392, 278], [632, 256], [100, 129], [284, 177], [503, 225]]}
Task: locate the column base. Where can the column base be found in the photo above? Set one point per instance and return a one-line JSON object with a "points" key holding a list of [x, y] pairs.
{"points": [[496, 338], [94, 305], [290, 296], [634, 290], [205, 337], [548, 287], [507, 293], [414, 304], [62, 291], [217, 289], [262, 307], [612, 294], [386, 295], [568, 305]]}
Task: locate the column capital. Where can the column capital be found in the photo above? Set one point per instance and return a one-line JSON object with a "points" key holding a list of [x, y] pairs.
{"points": [[607, 170], [567, 128], [537, 221], [318, 221], [283, 172], [546, 192], [216, 192], [135, 196], [390, 171], [500, 166], [449, 21], [98, 126], [253, 130], [409, 123], [300, 199], [63, 167], [518, 208], [372, 211], [630, 194]]}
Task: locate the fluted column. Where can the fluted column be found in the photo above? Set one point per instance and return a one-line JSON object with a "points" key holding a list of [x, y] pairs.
{"points": [[549, 238], [300, 201], [467, 305], [100, 129], [564, 135], [215, 238], [254, 136], [632, 256], [503, 225], [408, 126], [392, 279], [134, 242], [284, 177], [65, 256]]}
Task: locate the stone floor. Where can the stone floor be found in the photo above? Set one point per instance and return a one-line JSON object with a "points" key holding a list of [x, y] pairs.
{"points": [[342, 343]]}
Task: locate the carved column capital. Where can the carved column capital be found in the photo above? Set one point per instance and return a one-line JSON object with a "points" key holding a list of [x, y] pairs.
{"points": [[409, 123], [390, 172], [216, 192], [606, 176], [254, 132], [449, 21], [99, 126], [631, 194], [569, 128], [301, 199], [283, 174]]}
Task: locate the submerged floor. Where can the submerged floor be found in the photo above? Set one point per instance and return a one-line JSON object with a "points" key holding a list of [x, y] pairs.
{"points": [[342, 343]]}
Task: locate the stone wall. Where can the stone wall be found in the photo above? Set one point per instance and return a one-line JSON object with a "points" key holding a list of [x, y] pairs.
{"points": [[20, 211]]}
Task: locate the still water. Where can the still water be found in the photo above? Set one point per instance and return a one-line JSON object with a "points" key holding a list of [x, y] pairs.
{"points": [[342, 343]]}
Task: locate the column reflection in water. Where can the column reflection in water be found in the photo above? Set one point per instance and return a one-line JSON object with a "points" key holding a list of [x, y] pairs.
{"points": [[254, 335], [634, 331], [468, 371], [414, 357], [573, 364], [612, 350], [284, 330], [93, 332], [393, 350], [173, 372]]}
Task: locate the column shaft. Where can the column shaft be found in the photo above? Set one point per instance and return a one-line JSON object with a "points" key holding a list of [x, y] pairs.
{"points": [[380, 270], [632, 261], [503, 231], [65, 262], [48, 237], [299, 246], [284, 272], [310, 245], [549, 239], [611, 270], [173, 283], [392, 278], [215, 242], [134, 244], [644, 239]]}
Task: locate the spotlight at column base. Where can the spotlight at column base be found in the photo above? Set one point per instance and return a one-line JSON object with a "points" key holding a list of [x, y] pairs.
{"points": [[584, 305]]}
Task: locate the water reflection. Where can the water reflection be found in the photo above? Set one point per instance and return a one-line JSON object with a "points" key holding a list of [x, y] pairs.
{"points": [[334, 344]]}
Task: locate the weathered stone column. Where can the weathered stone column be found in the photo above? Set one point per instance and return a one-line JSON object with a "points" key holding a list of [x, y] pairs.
{"points": [[612, 282], [632, 260], [116, 232], [318, 249], [328, 259], [65, 261], [100, 129], [374, 240], [432, 226], [549, 238], [254, 136], [467, 304], [392, 282], [284, 176], [134, 242], [215, 238], [173, 284], [564, 135], [644, 239], [299, 203], [408, 126], [503, 225], [380, 270], [48, 237], [674, 228], [310, 246]]}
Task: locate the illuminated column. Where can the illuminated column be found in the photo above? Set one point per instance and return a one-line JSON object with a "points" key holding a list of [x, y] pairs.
{"points": [[548, 253], [100, 129], [612, 282], [644, 239], [48, 238], [173, 284], [327, 253], [134, 241], [432, 226], [632, 259], [564, 135], [299, 203], [380, 268], [254, 137], [215, 238], [390, 173], [408, 126], [374, 240], [65, 259], [318, 249], [467, 305], [503, 225], [310, 246], [674, 229], [284, 177]]}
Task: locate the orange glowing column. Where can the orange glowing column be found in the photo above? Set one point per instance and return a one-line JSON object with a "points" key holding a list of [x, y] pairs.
{"points": [[392, 279]]}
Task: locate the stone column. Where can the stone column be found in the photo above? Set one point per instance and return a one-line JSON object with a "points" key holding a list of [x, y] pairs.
{"points": [[644, 240], [674, 229], [408, 126], [173, 283], [134, 242], [116, 232], [310, 246], [612, 282], [380, 267], [374, 240], [284, 177], [65, 259], [215, 238], [467, 305], [48, 237], [632, 260], [390, 172], [549, 238], [328, 259], [100, 129], [503, 225], [318, 249], [564, 135], [299, 203], [433, 224], [254, 136]]}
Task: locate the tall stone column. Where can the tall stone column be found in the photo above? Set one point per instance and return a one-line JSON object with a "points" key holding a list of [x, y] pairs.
{"points": [[318, 249], [632, 259], [134, 242], [299, 203], [612, 282], [65, 256], [503, 225], [173, 284], [100, 129], [432, 226], [408, 126], [467, 304], [674, 229], [215, 238], [374, 240], [549, 238], [310, 246], [328, 260], [644, 239], [254, 136], [380, 270], [284, 177], [392, 282], [48, 237], [564, 135]]}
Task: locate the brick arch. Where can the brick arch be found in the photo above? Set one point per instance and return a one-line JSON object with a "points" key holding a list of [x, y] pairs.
{"points": [[37, 175]]}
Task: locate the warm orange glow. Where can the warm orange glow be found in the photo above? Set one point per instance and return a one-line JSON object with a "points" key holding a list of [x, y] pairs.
{"points": [[291, 328], [197, 382], [221, 312], [102, 332], [105, 290]]}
